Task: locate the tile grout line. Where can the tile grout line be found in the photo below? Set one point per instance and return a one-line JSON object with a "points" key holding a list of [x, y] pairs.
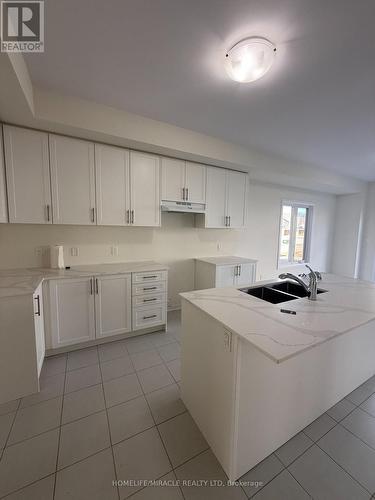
{"points": [[62, 395], [26, 486], [342, 468], [10, 430], [59, 437], [156, 427], [109, 433], [63, 424]]}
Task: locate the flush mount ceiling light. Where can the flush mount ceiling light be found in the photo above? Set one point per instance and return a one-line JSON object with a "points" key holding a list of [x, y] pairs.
{"points": [[250, 59]]}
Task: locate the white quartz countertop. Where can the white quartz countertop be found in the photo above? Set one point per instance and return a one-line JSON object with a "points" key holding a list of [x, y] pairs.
{"points": [[347, 304], [15, 282], [226, 260]]}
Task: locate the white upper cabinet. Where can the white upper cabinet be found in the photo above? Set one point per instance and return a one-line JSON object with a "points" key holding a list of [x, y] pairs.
{"points": [[112, 185], [216, 197], [195, 182], [236, 199], [3, 196], [172, 179], [183, 181], [28, 175], [225, 198], [73, 180], [144, 189]]}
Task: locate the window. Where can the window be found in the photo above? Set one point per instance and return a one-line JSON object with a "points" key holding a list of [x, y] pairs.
{"points": [[295, 233]]}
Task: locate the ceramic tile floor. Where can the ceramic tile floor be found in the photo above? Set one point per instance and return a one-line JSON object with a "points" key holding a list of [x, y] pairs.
{"points": [[114, 412]]}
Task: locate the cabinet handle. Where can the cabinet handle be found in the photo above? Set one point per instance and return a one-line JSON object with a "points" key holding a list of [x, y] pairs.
{"points": [[93, 215], [128, 216], [96, 286], [150, 300], [37, 298], [183, 193], [149, 288], [149, 277], [239, 270], [187, 193], [226, 221], [229, 220], [150, 317], [48, 213], [91, 279], [132, 221]]}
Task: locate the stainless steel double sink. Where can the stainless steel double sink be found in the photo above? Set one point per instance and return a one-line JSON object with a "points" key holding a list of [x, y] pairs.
{"points": [[281, 291]]}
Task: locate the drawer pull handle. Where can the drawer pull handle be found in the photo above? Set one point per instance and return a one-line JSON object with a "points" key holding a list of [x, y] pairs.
{"points": [[149, 277], [150, 317], [37, 298], [149, 288], [150, 300]]}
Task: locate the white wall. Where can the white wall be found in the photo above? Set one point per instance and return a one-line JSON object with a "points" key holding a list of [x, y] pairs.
{"points": [[177, 242], [348, 234], [367, 267]]}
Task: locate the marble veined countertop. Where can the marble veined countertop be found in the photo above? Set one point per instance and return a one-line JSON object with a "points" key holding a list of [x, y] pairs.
{"points": [[347, 304], [15, 282]]}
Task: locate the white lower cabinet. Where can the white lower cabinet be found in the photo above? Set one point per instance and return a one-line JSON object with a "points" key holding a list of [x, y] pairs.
{"points": [[149, 299], [144, 317], [237, 275], [217, 272], [39, 327], [95, 307], [72, 311], [112, 305]]}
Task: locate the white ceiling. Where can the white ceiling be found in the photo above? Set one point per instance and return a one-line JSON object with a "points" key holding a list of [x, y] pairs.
{"points": [[163, 59]]}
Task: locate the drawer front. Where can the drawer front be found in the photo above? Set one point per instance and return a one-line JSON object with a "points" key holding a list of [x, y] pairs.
{"points": [[147, 288], [151, 299], [147, 317], [149, 277]]}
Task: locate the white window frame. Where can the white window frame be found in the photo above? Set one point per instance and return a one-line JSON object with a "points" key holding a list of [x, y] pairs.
{"points": [[308, 232]]}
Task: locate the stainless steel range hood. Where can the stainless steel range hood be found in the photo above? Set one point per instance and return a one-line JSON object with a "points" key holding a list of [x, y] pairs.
{"points": [[183, 206]]}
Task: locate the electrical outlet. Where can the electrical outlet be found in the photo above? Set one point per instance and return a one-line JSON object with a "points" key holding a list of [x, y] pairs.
{"points": [[114, 251], [74, 251]]}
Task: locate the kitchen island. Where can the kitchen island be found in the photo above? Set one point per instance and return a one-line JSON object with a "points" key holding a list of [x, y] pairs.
{"points": [[253, 377]]}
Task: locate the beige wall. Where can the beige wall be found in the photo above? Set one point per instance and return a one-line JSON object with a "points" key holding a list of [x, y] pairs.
{"points": [[177, 242]]}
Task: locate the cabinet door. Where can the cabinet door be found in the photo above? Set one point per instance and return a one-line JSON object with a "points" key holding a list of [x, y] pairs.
{"points": [[236, 198], [245, 274], [3, 196], [73, 180], [72, 311], [113, 305], [216, 197], [144, 189], [224, 276], [196, 182], [172, 179], [28, 176], [39, 327], [112, 185]]}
